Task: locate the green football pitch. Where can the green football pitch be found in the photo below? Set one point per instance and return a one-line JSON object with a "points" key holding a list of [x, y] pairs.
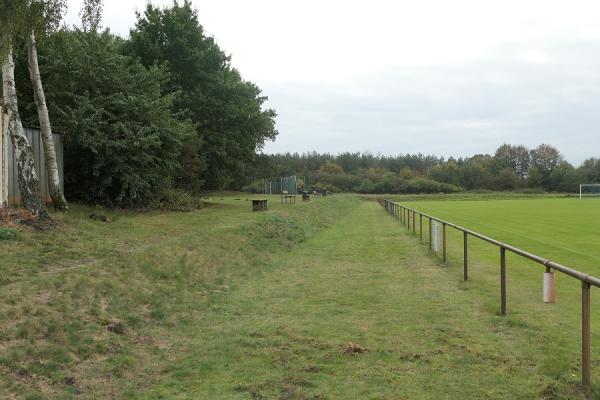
{"points": [[566, 230]]}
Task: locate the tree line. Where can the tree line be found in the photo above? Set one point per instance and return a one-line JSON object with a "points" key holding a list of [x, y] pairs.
{"points": [[511, 167], [145, 119]]}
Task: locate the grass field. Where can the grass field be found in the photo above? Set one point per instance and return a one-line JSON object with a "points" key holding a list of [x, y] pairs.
{"points": [[562, 229], [330, 299]]}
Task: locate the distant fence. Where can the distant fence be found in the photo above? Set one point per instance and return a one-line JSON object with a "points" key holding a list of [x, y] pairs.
{"points": [[288, 184], [11, 192], [405, 215]]}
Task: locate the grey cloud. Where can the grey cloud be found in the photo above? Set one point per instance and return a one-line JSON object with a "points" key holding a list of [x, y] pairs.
{"points": [[452, 110]]}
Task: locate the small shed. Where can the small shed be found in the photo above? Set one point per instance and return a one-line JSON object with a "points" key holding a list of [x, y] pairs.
{"points": [[9, 185]]}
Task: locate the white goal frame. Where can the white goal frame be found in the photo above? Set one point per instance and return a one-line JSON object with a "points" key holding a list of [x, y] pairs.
{"points": [[581, 186]]}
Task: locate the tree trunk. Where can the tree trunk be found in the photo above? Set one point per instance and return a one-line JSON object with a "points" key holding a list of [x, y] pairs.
{"points": [[29, 184], [56, 193]]}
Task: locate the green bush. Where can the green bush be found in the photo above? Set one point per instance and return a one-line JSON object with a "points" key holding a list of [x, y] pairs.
{"points": [[532, 190], [7, 233], [175, 200], [422, 185], [325, 187]]}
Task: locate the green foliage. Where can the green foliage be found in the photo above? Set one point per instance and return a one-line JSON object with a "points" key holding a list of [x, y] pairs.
{"points": [[122, 141], [516, 159], [20, 17], [175, 200], [91, 14], [422, 185], [162, 109], [510, 168], [7, 233], [226, 109], [331, 168]]}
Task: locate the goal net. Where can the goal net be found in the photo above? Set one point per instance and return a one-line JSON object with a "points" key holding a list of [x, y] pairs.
{"points": [[589, 190]]}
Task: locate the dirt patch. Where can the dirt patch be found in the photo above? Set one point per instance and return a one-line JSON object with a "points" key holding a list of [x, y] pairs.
{"points": [[15, 217], [312, 368], [353, 348]]}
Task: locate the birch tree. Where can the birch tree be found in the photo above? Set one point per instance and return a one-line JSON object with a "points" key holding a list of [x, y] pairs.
{"points": [[44, 16], [13, 17], [91, 15], [56, 192], [29, 183]]}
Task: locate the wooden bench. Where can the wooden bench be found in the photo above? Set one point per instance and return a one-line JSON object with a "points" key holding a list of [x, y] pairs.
{"points": [[288, 198], [259, 205]]}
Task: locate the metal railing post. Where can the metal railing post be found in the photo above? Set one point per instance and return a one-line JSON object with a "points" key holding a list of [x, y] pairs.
{"points": [[444, 258], [465, 257], [502, 281], [585, 333], [429, 233]]}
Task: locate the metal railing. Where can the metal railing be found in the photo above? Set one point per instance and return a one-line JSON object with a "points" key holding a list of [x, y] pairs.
{"points": [[405, 215]]}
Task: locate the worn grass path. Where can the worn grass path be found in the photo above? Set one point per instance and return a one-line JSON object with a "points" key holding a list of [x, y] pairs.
{"points": [[365, 281]]}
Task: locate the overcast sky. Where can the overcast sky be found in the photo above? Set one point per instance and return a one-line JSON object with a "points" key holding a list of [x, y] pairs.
{"points": [[451, 78]]}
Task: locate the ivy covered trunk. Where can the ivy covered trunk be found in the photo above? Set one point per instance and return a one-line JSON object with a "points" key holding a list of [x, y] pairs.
{"points": [[29, 183], [56, 193]]}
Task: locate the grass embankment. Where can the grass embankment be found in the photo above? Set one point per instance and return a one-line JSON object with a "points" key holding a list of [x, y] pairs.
{"points": [[226, 303], [104, 310]]}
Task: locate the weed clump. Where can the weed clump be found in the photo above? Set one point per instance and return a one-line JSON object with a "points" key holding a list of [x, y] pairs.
{"points": [[175, 200], [7, 233]]}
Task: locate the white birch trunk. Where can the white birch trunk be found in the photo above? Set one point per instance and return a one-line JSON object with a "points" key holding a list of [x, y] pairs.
{"points": [[56, 193], [29, 183], [3, 159]]}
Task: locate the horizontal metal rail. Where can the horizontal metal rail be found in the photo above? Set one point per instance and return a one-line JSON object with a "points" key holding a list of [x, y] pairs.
{"points": [[404, 214]]}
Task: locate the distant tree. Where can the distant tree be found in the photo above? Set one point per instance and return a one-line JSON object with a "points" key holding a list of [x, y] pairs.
{"points": [[475, 176], [535, 178], [545, 158], [517, 158], [407, 173], [365, 186], [563, 178], [589, 171], [331, 168], [446, 173], [506, 179]]}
